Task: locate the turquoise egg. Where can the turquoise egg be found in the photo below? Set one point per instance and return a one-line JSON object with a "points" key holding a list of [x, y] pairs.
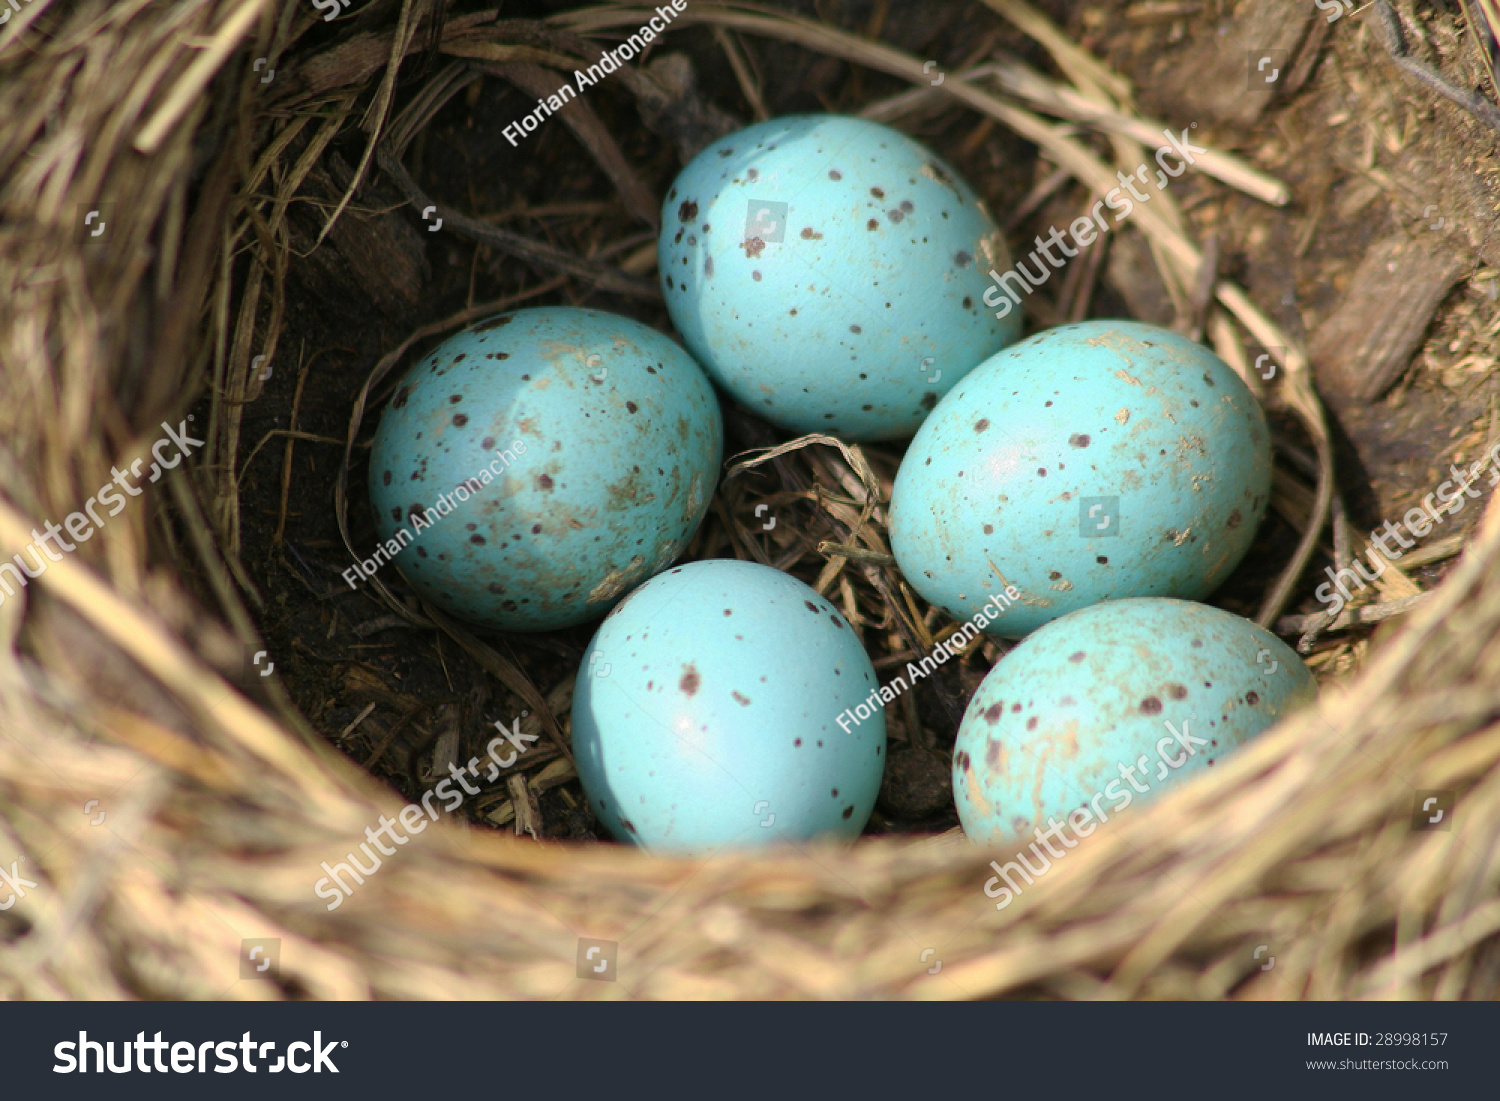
{"points": [[1090, 462], [717, 708], [1110, 705], [534, 468], [830, 272]]}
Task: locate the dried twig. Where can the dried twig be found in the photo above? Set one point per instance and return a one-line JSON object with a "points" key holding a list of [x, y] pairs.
{"points": [[1348, 617]]}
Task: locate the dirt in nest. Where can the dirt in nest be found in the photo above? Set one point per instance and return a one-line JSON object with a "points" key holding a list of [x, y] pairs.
{"points": [[1373, 161]]}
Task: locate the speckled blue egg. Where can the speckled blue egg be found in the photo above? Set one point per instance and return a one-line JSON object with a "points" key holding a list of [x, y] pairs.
{"points": [[830, 272], [1111, 705], [1090, 462], [708, 714], [535, 467]]}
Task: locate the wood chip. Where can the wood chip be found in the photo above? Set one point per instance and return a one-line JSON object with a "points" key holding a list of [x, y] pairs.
{"points": [[1361, 350], [528, 813], [1212, 80], [445, 752]]}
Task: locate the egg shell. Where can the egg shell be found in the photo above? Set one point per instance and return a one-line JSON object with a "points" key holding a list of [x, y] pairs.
{"points": [[707, 713], [1058, 719], [830, 272], [595, 444], [1090, 462]]}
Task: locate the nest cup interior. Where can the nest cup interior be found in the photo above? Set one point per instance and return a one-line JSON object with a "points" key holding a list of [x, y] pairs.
{"points": [[343, 196]]}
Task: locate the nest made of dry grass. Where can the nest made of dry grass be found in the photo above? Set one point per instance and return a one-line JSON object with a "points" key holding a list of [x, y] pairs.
{"points": [[221, 801]]}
